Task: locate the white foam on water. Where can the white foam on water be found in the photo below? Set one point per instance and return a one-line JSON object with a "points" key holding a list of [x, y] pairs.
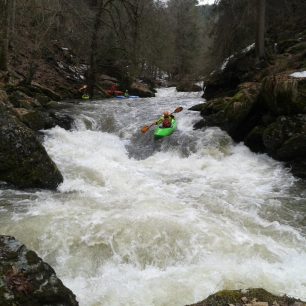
{"points": [[169, 229]]}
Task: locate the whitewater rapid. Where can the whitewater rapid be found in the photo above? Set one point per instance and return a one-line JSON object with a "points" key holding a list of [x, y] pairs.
{"points": [[144, 222]]}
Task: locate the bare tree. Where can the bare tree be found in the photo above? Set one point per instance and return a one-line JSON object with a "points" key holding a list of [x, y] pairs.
{"points": [[4, 49], [260, 29], [102, 6]]}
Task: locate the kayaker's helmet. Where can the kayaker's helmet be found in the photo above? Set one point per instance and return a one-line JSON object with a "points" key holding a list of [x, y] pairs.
{"points": [[166, 114]]}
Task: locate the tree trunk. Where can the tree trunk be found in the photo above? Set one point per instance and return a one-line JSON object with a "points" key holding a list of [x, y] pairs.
{"points": [[94, 46], [260, 29], [12, 22], [4, 51]]}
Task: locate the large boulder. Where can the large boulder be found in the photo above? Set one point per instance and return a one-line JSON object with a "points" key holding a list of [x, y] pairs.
{"points": [[141, 89], [248, 297], [24, 162], [188, 86], [236, 114], [28, 281], [285, 139], [236, 69], [284, 94], [38, 120]]}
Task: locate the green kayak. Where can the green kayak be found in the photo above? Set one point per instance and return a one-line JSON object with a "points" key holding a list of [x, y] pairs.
{"points": [[161, 132], [85, 97]]}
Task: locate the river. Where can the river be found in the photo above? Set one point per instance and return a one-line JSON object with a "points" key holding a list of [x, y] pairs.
{"points": [[139, 221]]}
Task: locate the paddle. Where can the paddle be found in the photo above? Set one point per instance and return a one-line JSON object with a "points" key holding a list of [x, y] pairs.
{"points": [[147, 127]]}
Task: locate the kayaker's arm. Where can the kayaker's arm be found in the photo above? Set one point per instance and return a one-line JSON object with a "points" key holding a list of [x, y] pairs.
{"points": [[160, 120]]}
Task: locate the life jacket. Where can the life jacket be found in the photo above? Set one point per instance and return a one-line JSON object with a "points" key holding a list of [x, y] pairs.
{"points": [[167, 122]]}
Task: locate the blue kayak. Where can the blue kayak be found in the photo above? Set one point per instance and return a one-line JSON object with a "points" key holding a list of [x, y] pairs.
{"points": [[161, 132], [129, 97]]}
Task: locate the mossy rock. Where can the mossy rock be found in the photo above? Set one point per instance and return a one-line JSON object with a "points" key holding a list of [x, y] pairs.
{"points": [[233, 114], [37, 120], [284, 95], [273, 137], [284, 138], [236, 297], [198, 107]]}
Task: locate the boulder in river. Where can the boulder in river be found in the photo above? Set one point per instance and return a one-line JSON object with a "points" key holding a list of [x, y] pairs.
{"points": [[25, 279], [24, 162], [248, 297], [232, 114]]}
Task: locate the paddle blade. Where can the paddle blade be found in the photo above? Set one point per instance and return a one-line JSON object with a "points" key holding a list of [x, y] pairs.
{"points": [[179, 109], [145, 129]]}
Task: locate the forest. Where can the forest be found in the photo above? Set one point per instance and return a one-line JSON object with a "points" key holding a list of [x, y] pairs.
{"points": [[145, 39]]}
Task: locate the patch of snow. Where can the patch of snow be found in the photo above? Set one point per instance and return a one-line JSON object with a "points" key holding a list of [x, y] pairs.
{"points": [[201, 84], [65, 49], [60, 65], [83, 66], [223, 66], [245, 50], [301, 74], [248, 48]]}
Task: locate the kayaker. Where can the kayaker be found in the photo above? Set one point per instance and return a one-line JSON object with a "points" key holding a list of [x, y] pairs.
{"points": [[113, 89], [165, 120], [126, 94]]}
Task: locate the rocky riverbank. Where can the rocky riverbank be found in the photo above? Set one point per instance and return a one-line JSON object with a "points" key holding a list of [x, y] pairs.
{"points": [[28, 106], [263, 106]]}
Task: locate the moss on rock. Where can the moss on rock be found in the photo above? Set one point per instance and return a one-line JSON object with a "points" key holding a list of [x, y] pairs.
{"points": [[246, 297]]}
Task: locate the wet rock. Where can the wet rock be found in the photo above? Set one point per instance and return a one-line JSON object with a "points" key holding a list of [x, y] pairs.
{"points": [[62, 120], [249, 297], [188, 86], [35, 120], [236, 114], [23, 160], [197, 107], [28, 281], [298, 167], [284, 139], [141, 90], [254, 140]]}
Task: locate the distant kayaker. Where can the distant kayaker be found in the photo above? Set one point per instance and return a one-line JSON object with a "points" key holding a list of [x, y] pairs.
{"points": [[113, 88], [126, 94], [165, 120]]}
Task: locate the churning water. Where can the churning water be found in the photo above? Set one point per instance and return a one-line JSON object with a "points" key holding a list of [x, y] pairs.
{"points": [[140, 221]]}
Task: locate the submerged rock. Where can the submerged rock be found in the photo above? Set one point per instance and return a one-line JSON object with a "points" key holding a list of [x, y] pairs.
{"points": [[28, 281]]}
